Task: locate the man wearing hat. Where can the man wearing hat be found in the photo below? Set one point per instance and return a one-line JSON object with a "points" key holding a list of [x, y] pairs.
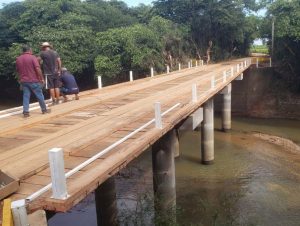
{"points": [[51, 65]]}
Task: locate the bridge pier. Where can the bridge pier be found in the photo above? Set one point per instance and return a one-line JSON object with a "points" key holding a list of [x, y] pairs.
{"points": [[164, 177], [226, 109], [106, 203], [207, 133]]}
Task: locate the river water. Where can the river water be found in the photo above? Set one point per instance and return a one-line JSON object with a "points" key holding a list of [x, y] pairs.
{"points": [[253, 181]]}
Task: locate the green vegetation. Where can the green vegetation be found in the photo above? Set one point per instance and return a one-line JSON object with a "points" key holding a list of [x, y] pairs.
{"points": [[259, 49], [286, 52], [110, 38]]}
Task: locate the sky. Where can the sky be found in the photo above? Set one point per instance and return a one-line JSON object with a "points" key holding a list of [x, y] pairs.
{"points": [[129, 2]]}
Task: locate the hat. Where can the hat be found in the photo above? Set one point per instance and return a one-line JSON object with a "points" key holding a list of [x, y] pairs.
{"points": [[46, 44], [64, 69]]}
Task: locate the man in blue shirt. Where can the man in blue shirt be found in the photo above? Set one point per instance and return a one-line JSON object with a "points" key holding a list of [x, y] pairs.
{"points": [[69, 85]]}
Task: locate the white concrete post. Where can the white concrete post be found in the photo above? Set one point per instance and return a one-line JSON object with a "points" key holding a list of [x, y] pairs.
{"points": [[179, 66], [152, 72], [168, 69], [238, 67], [202, 62], [256, 62], [189, 64], [57, 167], [245, 63], [270, 62], [212, 83], [19, 213], [158, 120], [99, 82], [224, 76], [131, 76], [194, 93], [231, 71], [196, 63]]}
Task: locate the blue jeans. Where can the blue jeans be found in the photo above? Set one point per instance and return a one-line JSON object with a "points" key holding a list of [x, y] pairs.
{"points": [[36, 88]]}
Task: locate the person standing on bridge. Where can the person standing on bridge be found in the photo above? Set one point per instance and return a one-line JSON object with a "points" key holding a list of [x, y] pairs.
{"points": [[51, 65], [69, 84], [31, 79]]}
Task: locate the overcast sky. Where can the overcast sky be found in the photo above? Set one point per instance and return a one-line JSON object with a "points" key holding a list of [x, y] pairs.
{"points": [[129, 2]]}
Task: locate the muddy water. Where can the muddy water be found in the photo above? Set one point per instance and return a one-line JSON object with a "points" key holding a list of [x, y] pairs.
{"points": [[253, 182]]}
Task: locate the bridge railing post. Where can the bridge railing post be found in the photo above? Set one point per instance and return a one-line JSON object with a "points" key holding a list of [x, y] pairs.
{"points": [[168, 69], [202, 62], [19, 213], [196, 63], [224, 76], [212, 82], [194, 93], [57, 168], [99, 82], [158, 119], [130, 76], [189, 64], [179, 67], [152, 71]]}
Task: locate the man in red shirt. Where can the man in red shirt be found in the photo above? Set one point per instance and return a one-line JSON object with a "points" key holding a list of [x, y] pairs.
{"points": [[31, 79]]}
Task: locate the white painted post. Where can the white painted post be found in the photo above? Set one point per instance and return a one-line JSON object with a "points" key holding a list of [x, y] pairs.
{"points": [[189, 64], [168, 69], [152, 72], [194, 93], [196, 63], [19, 213], [224, 76], [202, 62], [158, 120], [99, 82], [238, 67], [231, 71], [256, 62], [270, 62], [179, 66], [57, 167], [212, 83], [245, 63], [131, 76]]}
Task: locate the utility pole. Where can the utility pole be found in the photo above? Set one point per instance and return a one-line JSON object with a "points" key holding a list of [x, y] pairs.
{"points": [[273, 29]]}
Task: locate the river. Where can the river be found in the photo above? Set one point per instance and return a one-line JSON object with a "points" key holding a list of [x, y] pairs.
{"points": [[253, 181]]}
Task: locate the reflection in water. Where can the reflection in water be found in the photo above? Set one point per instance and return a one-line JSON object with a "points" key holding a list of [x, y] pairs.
{"points": [[253, 182]]}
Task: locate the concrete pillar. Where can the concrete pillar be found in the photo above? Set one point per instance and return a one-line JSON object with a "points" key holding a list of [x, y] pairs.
{"points": [[226, 110], [175, 142], [207, 134], [106, 203], [164, 177]]}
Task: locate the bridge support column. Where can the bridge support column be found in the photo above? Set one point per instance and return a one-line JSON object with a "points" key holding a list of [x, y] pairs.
{"points": [[226, 110], [106, 203], [207, 134], [164, 178]]}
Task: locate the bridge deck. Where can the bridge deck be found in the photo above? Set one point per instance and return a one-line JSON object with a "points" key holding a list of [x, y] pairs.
{"points": [[100, 118]]}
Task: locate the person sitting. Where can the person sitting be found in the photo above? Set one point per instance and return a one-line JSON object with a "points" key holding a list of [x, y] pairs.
{"points": [[69, 84]]}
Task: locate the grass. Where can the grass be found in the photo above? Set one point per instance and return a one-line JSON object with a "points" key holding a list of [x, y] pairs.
{"points": [[259, 49]]}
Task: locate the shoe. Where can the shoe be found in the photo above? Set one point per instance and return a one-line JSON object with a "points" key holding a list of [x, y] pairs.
{"points": [[26, 114], [47, 111], [57, 101]]}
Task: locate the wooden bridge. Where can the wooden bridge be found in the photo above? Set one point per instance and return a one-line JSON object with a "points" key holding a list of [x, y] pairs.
{"points": [[115, 123]]}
